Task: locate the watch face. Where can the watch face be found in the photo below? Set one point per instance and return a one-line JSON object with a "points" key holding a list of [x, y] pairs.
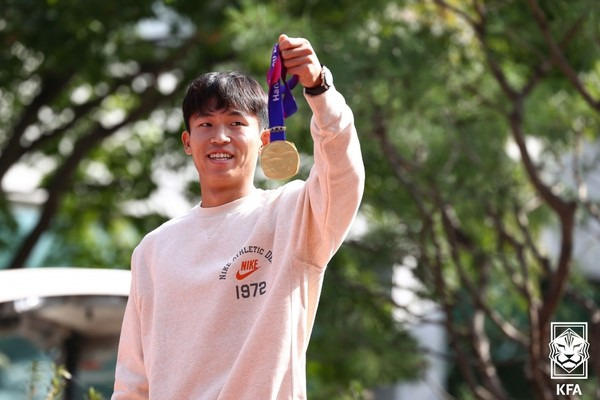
{"points": [[327, 78]]}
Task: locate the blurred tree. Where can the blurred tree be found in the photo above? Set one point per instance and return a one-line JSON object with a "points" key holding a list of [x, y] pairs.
{"points": [[485, 113]]}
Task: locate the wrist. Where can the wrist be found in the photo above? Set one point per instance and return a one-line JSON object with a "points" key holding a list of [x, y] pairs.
{"points": [[323, 83], [318, 82]]}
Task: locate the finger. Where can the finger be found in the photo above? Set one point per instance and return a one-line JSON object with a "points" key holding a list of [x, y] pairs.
{"points": [[302, 72], [282, 38], [298, 56], [301, 51], [298, 61], [286, 42]]}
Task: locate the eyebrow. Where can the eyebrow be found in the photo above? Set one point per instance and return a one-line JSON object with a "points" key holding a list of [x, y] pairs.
{"points": [[233, 113]]}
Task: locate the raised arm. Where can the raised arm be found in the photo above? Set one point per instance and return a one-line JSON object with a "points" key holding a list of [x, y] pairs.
{"points": [[335, 186]]}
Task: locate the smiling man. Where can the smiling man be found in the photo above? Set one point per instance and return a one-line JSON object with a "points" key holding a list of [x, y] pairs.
{"points": [[225, 115], [223, 299]]}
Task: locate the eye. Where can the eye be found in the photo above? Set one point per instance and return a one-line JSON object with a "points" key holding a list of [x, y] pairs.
{"points": [[238, 123], [205, 124]]}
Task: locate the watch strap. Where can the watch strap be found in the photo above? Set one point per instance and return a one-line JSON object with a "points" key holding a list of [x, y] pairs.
{"points": [[325, 84]]}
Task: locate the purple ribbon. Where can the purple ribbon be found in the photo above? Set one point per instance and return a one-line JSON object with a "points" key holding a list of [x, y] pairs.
{"points": [[281, 100]]}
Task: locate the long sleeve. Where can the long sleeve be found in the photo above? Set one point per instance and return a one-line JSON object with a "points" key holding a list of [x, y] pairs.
{"points": [[335, 186], [130, 378]]}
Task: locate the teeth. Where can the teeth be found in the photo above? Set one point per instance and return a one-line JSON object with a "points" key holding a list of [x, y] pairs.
{"points": [[220, 156]]}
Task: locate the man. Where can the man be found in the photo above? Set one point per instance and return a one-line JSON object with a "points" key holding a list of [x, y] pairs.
{"points": [[223, 299]]}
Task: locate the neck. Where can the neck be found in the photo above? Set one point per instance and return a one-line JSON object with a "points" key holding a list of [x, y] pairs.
{"points": [[214, 197]]}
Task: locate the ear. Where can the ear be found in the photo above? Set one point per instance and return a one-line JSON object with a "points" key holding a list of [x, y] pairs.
{"points": [[265, 137], [185, 139]]}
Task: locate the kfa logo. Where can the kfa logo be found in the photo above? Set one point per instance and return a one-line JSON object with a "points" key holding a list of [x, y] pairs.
{"points": [[569, 350]]}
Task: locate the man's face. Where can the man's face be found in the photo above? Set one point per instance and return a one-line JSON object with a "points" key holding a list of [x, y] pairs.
{"points": [[224, 145]]}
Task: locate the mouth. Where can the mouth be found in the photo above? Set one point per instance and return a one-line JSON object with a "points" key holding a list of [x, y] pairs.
{"points": [[220, 156]]}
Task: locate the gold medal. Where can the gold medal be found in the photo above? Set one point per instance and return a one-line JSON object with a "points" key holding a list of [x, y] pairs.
{"points": [[280, 160]]}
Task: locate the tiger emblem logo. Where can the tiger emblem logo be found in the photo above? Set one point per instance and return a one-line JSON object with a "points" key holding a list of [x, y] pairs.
{"points": [[569, 350]]}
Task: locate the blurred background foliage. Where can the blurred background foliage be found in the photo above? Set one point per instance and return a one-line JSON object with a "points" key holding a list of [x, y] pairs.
{"points": [[476, 119]]}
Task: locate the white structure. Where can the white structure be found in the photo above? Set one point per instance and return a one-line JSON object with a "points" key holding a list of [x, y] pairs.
{"points": [[70, 316]]}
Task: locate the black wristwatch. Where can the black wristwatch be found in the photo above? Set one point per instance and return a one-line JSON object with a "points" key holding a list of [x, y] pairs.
{"points": [[326, 82]]}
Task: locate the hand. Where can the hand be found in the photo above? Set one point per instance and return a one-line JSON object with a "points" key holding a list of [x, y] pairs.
{"points": [[300, 59]]}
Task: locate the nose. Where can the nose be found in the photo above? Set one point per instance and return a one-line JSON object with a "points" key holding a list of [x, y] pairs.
{"points": [[220, 137]]}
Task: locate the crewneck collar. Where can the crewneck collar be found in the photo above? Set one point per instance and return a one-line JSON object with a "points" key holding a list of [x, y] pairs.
{"points": [[227, 208]]}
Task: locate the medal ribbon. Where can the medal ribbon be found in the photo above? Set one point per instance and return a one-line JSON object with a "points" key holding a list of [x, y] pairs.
{"points": [[281, 102]]}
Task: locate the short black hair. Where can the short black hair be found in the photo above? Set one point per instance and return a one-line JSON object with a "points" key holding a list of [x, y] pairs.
{"points": [[224, 91]]}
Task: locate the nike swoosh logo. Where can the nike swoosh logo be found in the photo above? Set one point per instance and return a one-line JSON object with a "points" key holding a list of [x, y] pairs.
{"points": [[239, 276]]}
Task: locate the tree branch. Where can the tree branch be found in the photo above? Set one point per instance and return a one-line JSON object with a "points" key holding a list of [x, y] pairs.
{"points": [[455, 337], [557, 55], [401, 167], [14, 149], [463, 14], [51, 86], [64, 175], [481, 345]]}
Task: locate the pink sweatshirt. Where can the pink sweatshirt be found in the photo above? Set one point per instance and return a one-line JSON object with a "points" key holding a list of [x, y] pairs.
{"points": [[223, 299]]}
